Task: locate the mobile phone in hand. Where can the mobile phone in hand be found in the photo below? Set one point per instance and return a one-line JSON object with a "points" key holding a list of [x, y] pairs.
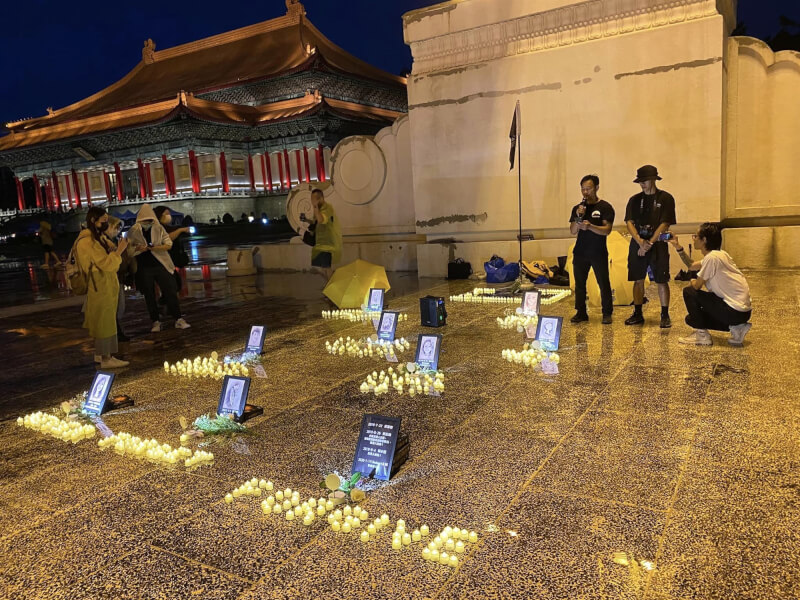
{"points": [[665, 237]]}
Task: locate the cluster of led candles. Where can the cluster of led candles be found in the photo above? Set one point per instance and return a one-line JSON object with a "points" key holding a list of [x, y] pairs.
{"points": [[442, 549], [130, 445], [208, 366], [529, 356], [366, 348], [67, 431], [402, 381], [357, 315]]}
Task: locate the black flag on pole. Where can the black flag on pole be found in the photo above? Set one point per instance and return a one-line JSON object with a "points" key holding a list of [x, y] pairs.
{"points": [[516, 128]]}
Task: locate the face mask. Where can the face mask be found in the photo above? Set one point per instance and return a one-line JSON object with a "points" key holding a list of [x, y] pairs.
{"points": [[147, 225], [102, 226]]}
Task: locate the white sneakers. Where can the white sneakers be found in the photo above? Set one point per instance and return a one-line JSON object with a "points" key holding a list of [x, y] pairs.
{"points": [[699, 337], [181, 324], [737, 333], [113, 363], [156, 327]]}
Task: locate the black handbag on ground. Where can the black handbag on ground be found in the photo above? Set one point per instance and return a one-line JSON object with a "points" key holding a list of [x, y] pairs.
{"points": [[458, 269]]}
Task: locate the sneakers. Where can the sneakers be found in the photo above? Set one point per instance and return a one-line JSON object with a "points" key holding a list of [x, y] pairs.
{"points": [[699, 337], [737, 333], [635, 319], [606, 320], [666, 322], [156, 327], [181, 324], [579, 318], [113, 363]]}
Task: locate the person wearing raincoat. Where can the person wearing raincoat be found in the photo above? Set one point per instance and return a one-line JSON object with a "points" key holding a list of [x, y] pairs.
{"points": [[98, 258], [327, 248]]}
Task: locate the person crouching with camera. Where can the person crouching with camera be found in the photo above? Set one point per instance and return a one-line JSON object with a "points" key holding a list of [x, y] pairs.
{"points": [[648, 216], [726, 306]]}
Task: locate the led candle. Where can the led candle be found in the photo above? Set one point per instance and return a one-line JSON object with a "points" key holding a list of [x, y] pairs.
{"points": [[290, 515], [276, 509], [270, 500], [364, 516], [298, 511], [364, 536], [406, 539], [460, 547], [450, 545], [349, 519], [426, 554], [434, 555], [320, 511], [356, 523], [424, 531], [397, 543], [228, 498], [312, 502], [331, 518], [336, 526], [328, 505], [444, 558], [464, 534], [453, 561], [416, 535], [385, 519], [371, 529], [346, 527], [473, 537], [279, 496], [347, 510], [286, 505]]}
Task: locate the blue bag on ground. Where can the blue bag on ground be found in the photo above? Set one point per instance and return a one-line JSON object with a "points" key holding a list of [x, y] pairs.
{"points": [[497, 271]]}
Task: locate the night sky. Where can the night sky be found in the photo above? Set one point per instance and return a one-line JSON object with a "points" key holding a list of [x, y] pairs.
{"points": [[54, 53]]}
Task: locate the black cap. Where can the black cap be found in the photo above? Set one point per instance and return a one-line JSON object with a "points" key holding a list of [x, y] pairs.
{"points": [[646, 172]]}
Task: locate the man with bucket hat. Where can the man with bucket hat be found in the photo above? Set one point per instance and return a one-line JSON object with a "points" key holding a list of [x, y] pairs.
{"points": [[648, 217]]}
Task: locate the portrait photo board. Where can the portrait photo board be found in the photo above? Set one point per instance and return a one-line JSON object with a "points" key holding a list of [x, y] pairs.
{"points": [[99, 392], [387, 325], [531, 303], [377, 442], [428, 360], [548, 332], [233, 396], [375, 300], [255, 339]]}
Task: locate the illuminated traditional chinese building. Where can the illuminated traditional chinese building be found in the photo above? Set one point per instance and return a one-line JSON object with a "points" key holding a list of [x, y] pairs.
{"points": [[236, 119]]}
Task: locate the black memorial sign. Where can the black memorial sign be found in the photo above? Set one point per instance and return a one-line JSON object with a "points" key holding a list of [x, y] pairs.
{"points": [[377, 443]]}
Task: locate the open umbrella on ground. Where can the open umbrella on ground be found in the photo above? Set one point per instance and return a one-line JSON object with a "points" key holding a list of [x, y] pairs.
{"points": [[349, 285]]}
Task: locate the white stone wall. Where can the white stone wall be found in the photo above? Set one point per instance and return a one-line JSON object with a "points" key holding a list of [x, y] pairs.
{"points": [[603, 89], [763, 127]]}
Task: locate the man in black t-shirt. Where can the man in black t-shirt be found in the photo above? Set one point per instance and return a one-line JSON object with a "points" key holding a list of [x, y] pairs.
{"points": [[592, 221], [648, 215]]}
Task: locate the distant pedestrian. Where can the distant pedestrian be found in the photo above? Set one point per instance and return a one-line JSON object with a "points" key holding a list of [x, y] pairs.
{"points": [[327, 248], [100, 260], [648, 215], [177, 252], [126, 269], [46, 238], [151, 244]]}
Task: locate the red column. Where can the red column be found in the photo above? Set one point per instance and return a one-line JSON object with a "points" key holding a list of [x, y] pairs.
{"points": [[165, 164], [316, 158], [56, 192], [148, 177], [280, 170], [37, 190], [171, 168], [194, 172], [118, 174], [264, 172], [20, 194], [69, 190], [77, 188], [299, 168], [288, 170], [48, 195], [308, 168], [223, 167], [140, 172], [88, 189], [321, 151], [269, 170], [107, 181], [252, 174]]}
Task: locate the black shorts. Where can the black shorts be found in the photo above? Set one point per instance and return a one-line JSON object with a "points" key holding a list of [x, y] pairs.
{"points": [[657, 259], [322, 260]]}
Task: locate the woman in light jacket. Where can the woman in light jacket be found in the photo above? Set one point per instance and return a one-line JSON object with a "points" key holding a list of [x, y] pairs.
{"points": [[151, 244], [98, 258]]}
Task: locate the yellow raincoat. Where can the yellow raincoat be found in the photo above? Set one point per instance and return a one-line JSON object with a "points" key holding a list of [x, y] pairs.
{"points": [[100, 317], [328, 234]]}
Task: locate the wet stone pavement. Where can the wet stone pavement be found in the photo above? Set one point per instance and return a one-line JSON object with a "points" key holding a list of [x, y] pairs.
{"points": [[644, 469]]}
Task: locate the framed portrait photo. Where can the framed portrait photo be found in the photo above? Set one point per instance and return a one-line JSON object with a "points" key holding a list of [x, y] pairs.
{"points": [[233, 397], [99, 393], [375, 299], [387, 325], [255, 341], [428, 347], [531, 302], [548, 332]]}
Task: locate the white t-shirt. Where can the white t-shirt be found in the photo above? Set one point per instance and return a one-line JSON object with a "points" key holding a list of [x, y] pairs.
{"points": [[724, 279]]}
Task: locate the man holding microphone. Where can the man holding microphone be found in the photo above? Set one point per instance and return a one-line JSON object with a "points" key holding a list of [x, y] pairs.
{"points": [[591, 221]]}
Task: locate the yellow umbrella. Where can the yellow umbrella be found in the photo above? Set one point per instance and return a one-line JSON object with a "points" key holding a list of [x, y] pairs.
{"points": [[349, 285], [621, 288]]}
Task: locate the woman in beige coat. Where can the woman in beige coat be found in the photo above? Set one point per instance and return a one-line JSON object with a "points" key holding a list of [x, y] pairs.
{"points": [[98, 258]]}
